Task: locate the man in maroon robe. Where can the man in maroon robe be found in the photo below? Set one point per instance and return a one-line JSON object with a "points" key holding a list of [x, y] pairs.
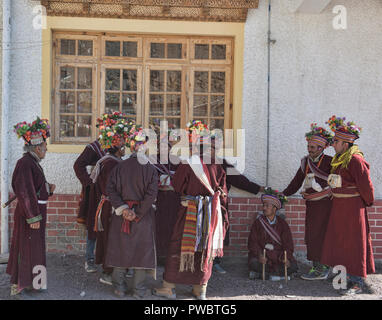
{"points": [[199, 231], [270, 235], [90, 197], [32, 191], [312, 176], [348, 240], [168, 201], [114, 145], [132, 189]]}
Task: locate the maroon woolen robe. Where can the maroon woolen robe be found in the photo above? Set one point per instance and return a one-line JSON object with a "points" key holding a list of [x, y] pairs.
{"points": [[167, 206], [90, 195], [317, 212], [102, 236], [348, 240], [28, 245], [258, 238], [186, 183], [132, 181]]}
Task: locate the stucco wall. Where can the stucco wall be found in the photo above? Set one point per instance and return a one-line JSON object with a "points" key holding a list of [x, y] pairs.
{"points": [[316, 72], [25, 99]]}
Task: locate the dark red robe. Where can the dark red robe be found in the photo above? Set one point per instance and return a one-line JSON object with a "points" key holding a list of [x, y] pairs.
{"points": [[102, 236], [348, 240], [258, 238], [90, 195], [28, 245], [186, 183], [132, 181], [317, 212], [167, 206]]}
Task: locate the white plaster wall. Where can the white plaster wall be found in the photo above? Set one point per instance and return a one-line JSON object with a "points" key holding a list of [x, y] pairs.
{"points": [[316, 72], [25, 98]]}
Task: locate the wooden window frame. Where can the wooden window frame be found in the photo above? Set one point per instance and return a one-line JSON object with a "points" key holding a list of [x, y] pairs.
{"points": [[100, 62]]}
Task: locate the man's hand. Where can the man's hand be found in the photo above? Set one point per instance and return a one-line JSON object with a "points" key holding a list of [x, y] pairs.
{"points": [[35, 225], [263, 259], [283, 261], [52, 187], [128, 214]]}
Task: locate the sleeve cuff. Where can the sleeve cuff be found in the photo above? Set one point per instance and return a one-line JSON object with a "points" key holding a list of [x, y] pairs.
{"points": [[34, 219], [119, 210]]}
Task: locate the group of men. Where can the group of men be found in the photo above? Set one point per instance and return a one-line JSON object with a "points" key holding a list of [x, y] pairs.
{"points": [[337, 191], [140, 209]]}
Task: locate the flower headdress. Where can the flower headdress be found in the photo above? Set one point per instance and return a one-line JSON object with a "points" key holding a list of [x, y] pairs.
{"points": [[347, 131], [197, 131], [136, 137], [274, 197], [109, 119], [35, 133], [111, 136], [319, 136]]}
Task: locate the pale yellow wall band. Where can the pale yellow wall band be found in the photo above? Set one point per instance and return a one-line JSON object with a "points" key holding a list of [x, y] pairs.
{"points": [[235, 30]]}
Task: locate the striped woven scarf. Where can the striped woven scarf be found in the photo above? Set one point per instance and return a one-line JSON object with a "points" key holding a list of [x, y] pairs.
{"points": [[187, 250]]}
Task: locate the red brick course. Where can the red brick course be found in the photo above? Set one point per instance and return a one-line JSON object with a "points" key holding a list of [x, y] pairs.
{"points": [[64, 234]]}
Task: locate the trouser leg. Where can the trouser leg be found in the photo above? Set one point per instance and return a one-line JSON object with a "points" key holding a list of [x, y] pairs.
{"points": [[90, 245], [118, 279], [138, 282]]}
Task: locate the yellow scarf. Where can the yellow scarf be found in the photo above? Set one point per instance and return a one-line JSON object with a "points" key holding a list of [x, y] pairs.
{"points": [[344, 159]]}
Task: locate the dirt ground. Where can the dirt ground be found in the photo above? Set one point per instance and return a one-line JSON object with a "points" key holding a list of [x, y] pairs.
{"points": [[67, 280]]}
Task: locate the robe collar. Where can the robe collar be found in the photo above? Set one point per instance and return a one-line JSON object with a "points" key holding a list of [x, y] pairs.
{"points": [[35, 156], [272, 222], [317, 158]]}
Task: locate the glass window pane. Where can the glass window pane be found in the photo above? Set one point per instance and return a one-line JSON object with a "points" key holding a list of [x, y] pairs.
{"points": [[219, 51], [200, 106], [67, 79], [156, 105], [174, 51], [217, 106], [129, 103], [67, 126], [216, 124], [201, 81], [130, 49], [156, 80], [84, 126], [174, 81], [202, 51], [68, 47], [113, 48], [67, 102], [173, 123], [85, 47], [218, 82], [157, 50], [84, 101], [173, 105], [112, 79], [111, 102], [85, 78], [130, 80]]}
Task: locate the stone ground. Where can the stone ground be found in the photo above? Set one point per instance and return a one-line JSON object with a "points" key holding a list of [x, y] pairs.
{"points": [[67, 280]]}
